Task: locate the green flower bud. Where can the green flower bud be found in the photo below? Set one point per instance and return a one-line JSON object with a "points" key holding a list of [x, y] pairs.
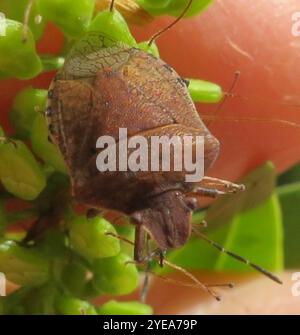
{"points": [[72, 306], [21, 265], [114, 276], [124, 308], [20, 173], [153, 49], [72, 17], [15, 9], [26, 106], [18, 58], [89, 237], [43, 148], [74, 277], [205, 91], [173, 7], [113, 25]]}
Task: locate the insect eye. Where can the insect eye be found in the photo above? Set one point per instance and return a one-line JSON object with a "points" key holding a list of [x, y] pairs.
{"points": [[50, 94]]}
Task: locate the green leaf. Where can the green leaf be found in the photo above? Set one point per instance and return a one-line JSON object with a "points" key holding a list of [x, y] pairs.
{"points": [[259, 184], [290, 176], [289, 197], [243, 224]]}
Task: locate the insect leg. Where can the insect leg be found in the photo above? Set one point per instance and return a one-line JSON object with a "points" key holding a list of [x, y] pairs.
{"points": [[226, 186], [139, 244]]}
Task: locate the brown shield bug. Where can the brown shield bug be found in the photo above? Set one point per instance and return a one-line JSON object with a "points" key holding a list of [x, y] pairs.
{"points": [[106, 85]]}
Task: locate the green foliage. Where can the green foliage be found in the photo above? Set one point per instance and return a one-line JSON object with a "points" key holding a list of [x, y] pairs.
{"points": [[289, 196]]}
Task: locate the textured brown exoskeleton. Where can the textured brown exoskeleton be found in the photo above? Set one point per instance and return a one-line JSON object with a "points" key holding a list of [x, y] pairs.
{"points": [[106, 85], [113, 86]]}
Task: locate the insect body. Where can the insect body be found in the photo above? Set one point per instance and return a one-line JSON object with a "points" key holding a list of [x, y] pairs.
{"points": [[104, 86]]}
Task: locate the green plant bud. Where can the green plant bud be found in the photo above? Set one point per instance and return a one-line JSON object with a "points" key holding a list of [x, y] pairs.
{"points": [[40, 300], [20, 173], [127, 231], [205, 91], [113, 307], [72, 17], [15, 9], [113, 276], [153, 49], [18, 58], [3, 217], [113, 25], [74, 277], [43, 148], [72, 306], [21, 265], [89, 237], [173, 7], [26, 106]]}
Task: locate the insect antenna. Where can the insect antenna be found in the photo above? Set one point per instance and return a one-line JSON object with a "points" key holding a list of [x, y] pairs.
{"points": [[182, 283], [249, 118], [226, 95], [119, 237], [112, 5], [237, 257], [229, 94], [160, 32]]}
